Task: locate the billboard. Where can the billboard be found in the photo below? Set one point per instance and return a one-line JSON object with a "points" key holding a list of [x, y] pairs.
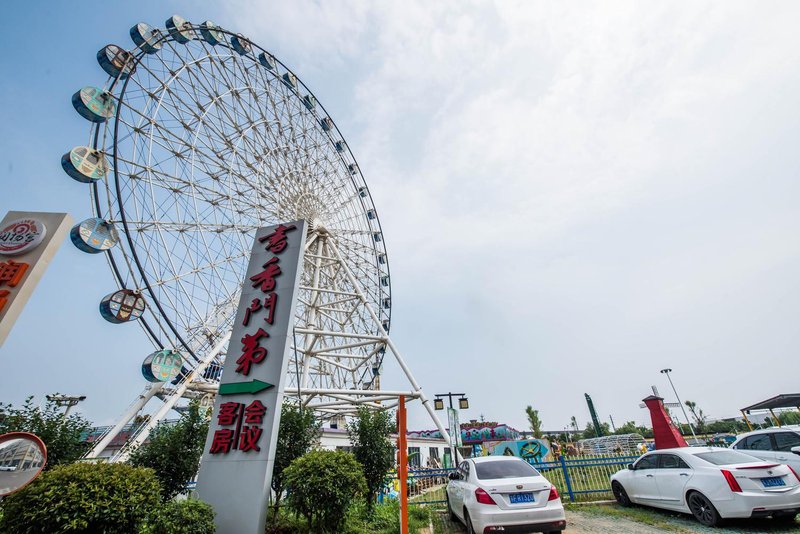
{"points": [[28, 242]]}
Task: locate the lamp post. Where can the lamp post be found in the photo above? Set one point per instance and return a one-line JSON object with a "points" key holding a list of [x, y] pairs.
{"points": [[66, 400], [455, 433], [691, 428]]}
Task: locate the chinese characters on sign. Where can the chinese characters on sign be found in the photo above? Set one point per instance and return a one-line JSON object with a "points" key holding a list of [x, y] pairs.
{"points": [[236, 469], [252, 353], [11, 274]]}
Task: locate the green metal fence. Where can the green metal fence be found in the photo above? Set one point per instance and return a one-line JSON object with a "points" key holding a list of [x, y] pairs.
{"points": [[577, 478]]}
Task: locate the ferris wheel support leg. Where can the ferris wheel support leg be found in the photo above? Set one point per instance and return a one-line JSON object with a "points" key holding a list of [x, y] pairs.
{"points": [[125, 452], [414, 384], [137, 405]]}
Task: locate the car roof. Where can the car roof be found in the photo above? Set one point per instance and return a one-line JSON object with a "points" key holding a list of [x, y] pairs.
{"points": [[483, 459], [688, 450], [784, 428]]}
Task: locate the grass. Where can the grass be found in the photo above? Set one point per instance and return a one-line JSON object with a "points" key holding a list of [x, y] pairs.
{"points": [[384, 520]]}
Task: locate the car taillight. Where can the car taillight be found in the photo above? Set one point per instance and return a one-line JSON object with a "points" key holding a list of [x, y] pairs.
{"points": [[735, 487], [794, 473], [553, 494], [482, 497]]}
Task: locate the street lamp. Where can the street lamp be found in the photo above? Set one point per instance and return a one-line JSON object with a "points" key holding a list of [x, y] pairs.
{"points": [[691, 428], [455, 433], [65, 400]]}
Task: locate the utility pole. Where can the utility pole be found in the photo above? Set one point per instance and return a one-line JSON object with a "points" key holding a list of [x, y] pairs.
{"points": [[691, 428]]}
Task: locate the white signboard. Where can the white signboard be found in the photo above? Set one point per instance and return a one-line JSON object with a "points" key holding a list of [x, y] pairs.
{"points": [[236, 468], [28, 241], [454, 427]]}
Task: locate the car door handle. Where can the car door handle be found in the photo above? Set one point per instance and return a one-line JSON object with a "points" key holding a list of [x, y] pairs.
{"points": [[649, 476], [684, 474]]}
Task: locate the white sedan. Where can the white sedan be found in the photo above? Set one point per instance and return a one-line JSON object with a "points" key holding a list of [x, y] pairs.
{"points": [[503, 494], [710, 483]]}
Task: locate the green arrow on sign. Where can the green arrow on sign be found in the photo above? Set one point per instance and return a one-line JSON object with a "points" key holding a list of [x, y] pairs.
{"points": [[254, 386]]}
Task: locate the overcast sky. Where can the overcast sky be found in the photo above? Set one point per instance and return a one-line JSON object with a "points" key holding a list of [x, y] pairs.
{"points": [[573, 195]]}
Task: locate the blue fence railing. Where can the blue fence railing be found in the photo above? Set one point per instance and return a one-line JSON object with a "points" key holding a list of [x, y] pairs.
{"points": [[583, 478]]}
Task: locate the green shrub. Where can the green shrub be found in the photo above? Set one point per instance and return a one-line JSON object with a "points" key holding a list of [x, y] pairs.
{"points": [[181, 517], [108, 498], [322, 485]]}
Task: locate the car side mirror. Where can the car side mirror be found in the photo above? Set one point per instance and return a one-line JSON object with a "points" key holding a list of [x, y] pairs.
{"points": [[454, 476], [630, 466], [796, 450]]}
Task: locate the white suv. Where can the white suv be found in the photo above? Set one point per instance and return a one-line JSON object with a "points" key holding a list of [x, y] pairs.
{"points": [[778, 445]]}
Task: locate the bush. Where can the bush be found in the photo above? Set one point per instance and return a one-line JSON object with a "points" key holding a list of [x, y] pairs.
{"points": [[181, 517], [108, 498], [322, 485]]}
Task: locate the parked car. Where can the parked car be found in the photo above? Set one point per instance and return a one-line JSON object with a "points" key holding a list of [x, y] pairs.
{"points": [[710, 483], [503, 493], [8, 468], [779, 445]]}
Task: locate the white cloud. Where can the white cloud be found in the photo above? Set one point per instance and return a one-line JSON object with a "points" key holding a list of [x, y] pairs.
{"points": [[528, 154]]}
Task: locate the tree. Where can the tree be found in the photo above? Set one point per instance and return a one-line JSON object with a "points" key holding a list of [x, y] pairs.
{"points": [[174, 450], [591, 431], [299, 431], [534, 422], [631, 427], [698, 416], [322, 486], [63, 436], [369, 436], [789, 417]]}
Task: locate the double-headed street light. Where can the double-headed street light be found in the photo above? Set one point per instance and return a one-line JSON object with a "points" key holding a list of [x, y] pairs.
{"points": [[66, 400], [455, 433], [691, 428]]}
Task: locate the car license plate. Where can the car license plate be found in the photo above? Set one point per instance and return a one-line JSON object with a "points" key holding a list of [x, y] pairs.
{"points": [[772, 482], [517, 498]]}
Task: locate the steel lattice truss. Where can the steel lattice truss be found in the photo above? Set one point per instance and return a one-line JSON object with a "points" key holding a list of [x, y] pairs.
{"points": [[207, 145]]}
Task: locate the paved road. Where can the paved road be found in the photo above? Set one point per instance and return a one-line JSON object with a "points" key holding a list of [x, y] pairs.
{"points": [[591, 523]]}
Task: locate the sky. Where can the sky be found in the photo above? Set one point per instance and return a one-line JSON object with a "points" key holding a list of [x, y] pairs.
{"points": [[573, 195]]}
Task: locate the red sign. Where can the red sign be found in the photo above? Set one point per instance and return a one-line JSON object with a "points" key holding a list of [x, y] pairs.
{"points": [[11, 274]]}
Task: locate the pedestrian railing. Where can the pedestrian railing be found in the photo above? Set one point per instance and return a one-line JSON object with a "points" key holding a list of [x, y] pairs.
{"points": [[577, 478]]}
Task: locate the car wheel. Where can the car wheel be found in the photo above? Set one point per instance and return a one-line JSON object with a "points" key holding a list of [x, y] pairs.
{"points": [[450, 513], [703, 510], [468, 523], [620, 494]]}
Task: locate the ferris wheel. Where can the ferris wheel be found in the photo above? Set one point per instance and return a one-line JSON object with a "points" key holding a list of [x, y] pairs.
{"points": [[199, 137]]}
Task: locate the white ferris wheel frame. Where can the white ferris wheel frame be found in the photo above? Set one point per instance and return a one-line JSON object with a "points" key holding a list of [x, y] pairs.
{"points": [[339, 338]]}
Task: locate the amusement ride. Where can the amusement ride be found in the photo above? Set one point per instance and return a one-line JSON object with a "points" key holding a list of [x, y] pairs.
{"points": [[198, 138]]}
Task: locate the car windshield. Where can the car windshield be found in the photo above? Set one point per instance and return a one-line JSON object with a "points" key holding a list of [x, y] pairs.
{"points": [[504, 469], [724, 457]]}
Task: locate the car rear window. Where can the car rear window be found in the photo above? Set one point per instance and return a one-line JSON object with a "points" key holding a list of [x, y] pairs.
{"points": [[725, 457], [504, 469]]}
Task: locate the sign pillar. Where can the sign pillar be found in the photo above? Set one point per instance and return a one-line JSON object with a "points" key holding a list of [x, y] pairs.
{"points": [[236, 469], [28, 242]]}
